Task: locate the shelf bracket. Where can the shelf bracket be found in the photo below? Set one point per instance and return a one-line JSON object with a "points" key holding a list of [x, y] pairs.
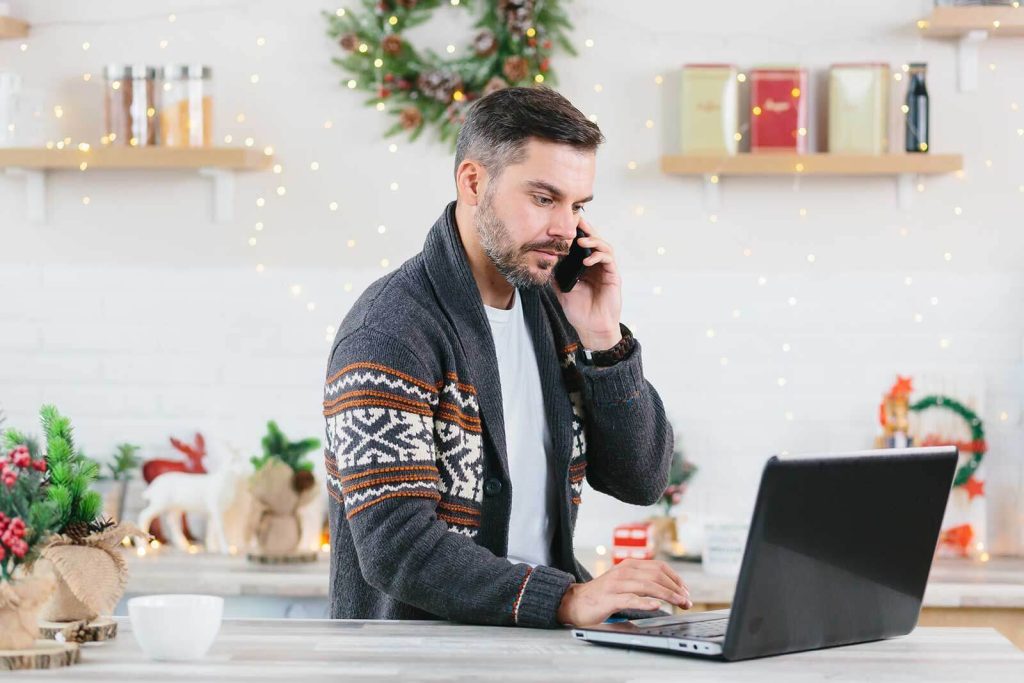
{"points": [[967, 59], [35, 192], [905, 183], [712, 193], [223, 193]]}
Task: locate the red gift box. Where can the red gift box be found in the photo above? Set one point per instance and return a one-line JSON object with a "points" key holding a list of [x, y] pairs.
{"points": [[778, 103], [633, 535]]}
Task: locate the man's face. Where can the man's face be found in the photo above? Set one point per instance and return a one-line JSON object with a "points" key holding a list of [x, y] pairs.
{"points": [[527, 218]]}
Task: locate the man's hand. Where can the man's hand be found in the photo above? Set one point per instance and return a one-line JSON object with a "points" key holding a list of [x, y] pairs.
{"points": [[594, 305], [633, 584]]}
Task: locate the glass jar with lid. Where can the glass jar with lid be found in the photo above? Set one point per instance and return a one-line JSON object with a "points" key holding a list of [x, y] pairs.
{"points": [[130, 105], [186, 109]]}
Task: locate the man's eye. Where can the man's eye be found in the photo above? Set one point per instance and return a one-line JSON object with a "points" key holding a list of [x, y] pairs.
{"points": [[542, 200], [577, 209]]}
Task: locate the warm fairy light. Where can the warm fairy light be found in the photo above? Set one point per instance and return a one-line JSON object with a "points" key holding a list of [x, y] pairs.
{"points": [[991, 66], [948, 256], [268, 151], [311, 306], [958, 211], [172, 18], [85, 45], [392, 20], [539, 78], [934, 301], [799, 168], [363, 47], [984, 557], [737, 136], [723, 361], [82, 166], [296, 290], [450, 49], [347, 287], [340, 12], [384, 263], [736, 313], [656, 290], [904, 108], [944, 343], [314, 166], [261, 41], [126, 541], [258, 227], [811, 258], [458, 96], [351, 244], [592, 117], [598, 87], [661, 251], [86, 77], [802, 132], [58, 111], [193, 549], [589, 42], [714, 179], [86, 200], [786, 347], [141, 551], [325, 547], [791, 301], [259, 268], [631, 165], [741, 77], [281, 190], [908, 281], [531, 32], [351, 85], [710, 333], [240, 118], [795, 92], [658, 80], [328, 123], [116, 85], [24, 47], [781, 381], [1004, 416], [83, 146], [757, 111], [378, 62], [918, 318], [381, 229], [897, 76], [996, 24], [260, 201], [803, 213], [163, 46], [252, 241], [649, 123], [228, 139], [154, 544], [255, 78], [249, 142], [392, 148], [922, 24], [394, 187], [713, 218]]}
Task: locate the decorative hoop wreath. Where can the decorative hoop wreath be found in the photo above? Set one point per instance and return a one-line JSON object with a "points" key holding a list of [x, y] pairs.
{"points": [[512, 47]]}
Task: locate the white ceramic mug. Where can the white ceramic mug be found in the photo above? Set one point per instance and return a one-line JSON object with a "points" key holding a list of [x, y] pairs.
{"points": [[175, 627]]}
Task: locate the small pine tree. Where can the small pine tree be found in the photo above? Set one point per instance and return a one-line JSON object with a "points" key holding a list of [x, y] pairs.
{"points": [[291, 453], [70, 475], [125, 460]]}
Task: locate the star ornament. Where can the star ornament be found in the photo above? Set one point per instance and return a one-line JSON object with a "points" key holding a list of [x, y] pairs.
{"points": [[974, 487]]}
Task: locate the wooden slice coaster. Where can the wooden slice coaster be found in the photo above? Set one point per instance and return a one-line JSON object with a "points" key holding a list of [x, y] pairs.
{"points": [[285, 558], [47, 654], [95, 631]]}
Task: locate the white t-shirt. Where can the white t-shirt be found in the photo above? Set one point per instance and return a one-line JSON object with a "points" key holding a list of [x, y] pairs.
{"points": [[527, 438]]}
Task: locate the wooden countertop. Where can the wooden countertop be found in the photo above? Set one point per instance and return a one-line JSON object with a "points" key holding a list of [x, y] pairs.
{"points": [[998, 583], [307, 650]]}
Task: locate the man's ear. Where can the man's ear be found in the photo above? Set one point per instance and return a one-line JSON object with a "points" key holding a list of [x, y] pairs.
{"points": [[470, 182]]}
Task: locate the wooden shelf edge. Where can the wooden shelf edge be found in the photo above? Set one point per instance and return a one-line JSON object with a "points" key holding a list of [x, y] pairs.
{"points": [[812, 164], [156, 158], [11, 28], [954, 22]]}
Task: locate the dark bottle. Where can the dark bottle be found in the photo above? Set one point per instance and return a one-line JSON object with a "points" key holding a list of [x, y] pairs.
{"points": [[916, 110]]}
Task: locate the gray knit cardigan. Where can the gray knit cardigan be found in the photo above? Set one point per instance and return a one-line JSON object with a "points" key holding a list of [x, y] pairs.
{"points": [[420, 494]]}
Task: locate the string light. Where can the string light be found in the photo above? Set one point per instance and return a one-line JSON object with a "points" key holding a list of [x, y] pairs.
{"points": [[656, 290], [281, 190], [310, 306], [908, 281], [710, 333], [268, 151], [333, 206], [314, 166], [392, 148], [589, 42], [261, 41], [918, 318], [260, 201], [781, 381], [296, 290], [384, 263], [255, 78], [394, 187], [723, 361], [381, 229], [277, 169], [85, 45], [249, 142]]}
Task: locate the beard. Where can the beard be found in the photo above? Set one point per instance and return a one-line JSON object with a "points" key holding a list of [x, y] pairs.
{"points": [[510, 259]]}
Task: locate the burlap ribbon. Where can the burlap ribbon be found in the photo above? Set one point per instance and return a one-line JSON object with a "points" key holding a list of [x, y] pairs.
{"points": [[91, 574], [20, 602]]}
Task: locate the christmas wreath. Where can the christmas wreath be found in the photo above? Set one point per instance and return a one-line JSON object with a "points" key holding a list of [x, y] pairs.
{"points": [[513, 46]]}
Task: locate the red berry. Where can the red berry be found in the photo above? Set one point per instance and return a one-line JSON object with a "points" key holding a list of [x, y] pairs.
{"points": [[388, 78], [20, 549], [39, 465], [2, 552]]}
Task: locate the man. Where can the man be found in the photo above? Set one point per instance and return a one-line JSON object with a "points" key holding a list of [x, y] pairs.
{"points": [[467, 400]]}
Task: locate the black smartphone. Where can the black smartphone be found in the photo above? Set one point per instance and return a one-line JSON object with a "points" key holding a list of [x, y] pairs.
{"points": [[570, 269]]}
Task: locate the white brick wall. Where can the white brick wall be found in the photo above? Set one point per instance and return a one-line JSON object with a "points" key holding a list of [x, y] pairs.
{"points": [[141, 318]]}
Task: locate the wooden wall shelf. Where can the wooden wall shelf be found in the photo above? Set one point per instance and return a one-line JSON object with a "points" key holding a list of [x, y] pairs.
{"points": [[11, 28], [217, 163], [904, 167], [812, 164], [970, 26]]}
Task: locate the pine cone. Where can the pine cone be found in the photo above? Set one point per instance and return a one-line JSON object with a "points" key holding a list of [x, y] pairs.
{"points": [[518, 15], [516, 68], [485, 44], [77, 530], [391, 45], [411, 118], [349, 41], [302, 480], [494, 85], [439, 85]]}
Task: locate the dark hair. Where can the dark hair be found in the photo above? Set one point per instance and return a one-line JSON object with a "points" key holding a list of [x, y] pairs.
{"points": [[499, 125]]}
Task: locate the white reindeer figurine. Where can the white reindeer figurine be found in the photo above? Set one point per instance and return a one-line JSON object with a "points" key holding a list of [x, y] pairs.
{"points": [[210, 494]]}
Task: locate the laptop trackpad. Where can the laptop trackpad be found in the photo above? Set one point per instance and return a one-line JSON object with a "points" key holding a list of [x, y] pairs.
{"points": [[675, 619]]}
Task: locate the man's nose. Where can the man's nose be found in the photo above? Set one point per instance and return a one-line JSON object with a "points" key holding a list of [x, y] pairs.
{"points": [[564, 227]]}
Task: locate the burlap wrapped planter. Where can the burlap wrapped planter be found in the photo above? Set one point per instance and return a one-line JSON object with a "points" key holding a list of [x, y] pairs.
{"points": [[20, 603], [90, 573], [278, 493]]}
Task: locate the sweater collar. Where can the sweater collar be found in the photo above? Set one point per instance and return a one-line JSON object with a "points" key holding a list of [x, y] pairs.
{"points": [[458, 295]]}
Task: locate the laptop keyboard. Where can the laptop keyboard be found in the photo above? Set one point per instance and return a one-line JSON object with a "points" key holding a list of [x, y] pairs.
{"points": [[712, 628]]}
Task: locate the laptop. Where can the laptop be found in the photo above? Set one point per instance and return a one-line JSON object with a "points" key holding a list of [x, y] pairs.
{"points": [[838, 552]]}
